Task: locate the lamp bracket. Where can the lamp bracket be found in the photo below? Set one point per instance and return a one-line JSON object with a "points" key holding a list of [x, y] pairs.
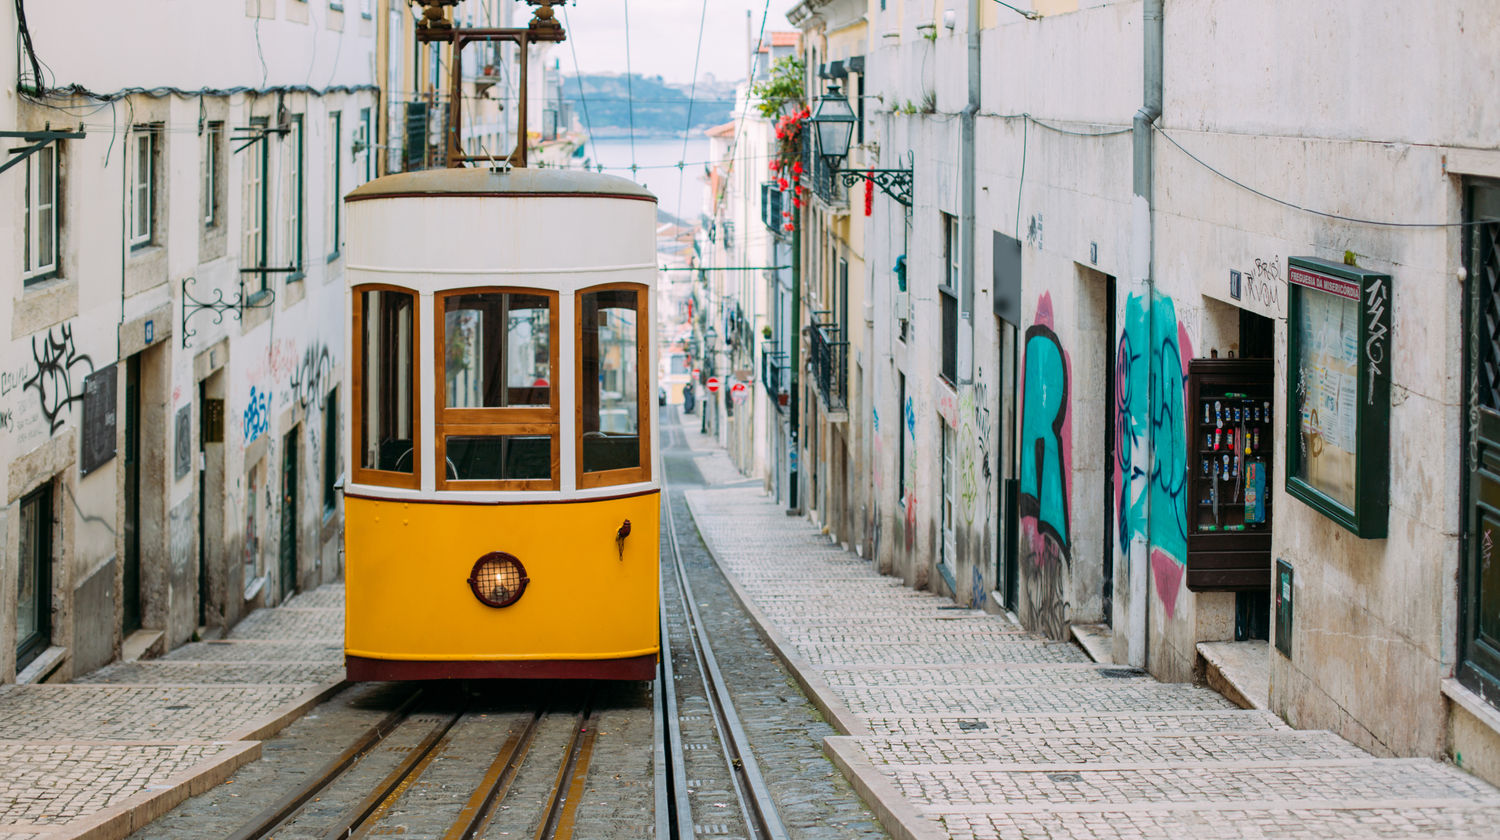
{"points": [[192, 306], [896, 183]]}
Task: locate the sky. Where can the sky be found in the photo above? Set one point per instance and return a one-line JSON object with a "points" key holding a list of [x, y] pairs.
{"points": [[664, 35]]}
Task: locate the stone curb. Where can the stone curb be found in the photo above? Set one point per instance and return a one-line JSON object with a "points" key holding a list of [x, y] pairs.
{"points": [[895, 813], [279, 719], [133, 813], [136, 811], [817, 690]]}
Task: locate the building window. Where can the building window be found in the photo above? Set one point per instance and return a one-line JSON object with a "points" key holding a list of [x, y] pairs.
{"points": [[330, 452], [295, 190], [365, 145], [142, 187], [34, 590], [948, 298], [213, 173], [39, 251], [335, 193], [254, 246]]}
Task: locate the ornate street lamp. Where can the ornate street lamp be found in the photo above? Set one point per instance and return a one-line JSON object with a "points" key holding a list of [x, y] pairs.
{"points": [[833, 125]]}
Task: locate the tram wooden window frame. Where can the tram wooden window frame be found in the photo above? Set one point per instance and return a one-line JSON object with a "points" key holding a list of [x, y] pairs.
{"points": [[496, 422], [368, 475], [628, 475]]}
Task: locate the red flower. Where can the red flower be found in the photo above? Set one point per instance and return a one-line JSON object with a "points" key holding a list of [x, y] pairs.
{"points": [[787, 227], [796, 202], [775, 165], [781, 183], [797, 167]]}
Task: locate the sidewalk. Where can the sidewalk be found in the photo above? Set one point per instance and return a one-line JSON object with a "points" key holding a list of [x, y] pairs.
{"points": [[959, 724], [100, 757]]}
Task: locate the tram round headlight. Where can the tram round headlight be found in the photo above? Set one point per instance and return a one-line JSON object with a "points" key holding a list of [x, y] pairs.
{"points": [[498, 579]]}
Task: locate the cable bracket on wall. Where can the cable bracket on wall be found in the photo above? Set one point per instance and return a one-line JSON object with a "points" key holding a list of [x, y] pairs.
{"points": [[192, 306], [39, 140]]}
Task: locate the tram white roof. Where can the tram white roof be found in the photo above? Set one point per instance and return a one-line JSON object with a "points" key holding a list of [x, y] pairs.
{"points": [[491, 182]]}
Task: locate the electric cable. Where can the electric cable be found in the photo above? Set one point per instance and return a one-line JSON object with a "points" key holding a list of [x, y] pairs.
{"points": [[588, 125], [1294, 206], [629, 89], [692, 95]]}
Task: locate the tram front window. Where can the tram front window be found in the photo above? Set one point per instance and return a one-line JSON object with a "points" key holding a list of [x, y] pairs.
{"points": [[385, 410], [610, 407], [497, 349], [498, 457]]}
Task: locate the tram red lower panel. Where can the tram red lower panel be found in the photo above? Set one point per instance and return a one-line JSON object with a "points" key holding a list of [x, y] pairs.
{"points": [[365, 669]]}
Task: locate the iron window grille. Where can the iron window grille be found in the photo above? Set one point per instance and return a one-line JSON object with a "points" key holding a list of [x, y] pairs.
{"points": [[818, 176], [775, 374], [773, 204], [829, 352]]}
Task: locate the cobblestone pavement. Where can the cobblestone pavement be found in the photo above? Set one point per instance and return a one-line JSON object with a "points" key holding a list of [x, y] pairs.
{"points": [[958, 725], [785, 731], [101, 755]]}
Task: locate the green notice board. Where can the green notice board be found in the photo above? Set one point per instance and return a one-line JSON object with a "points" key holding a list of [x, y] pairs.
{"points": [[1339, 392]]}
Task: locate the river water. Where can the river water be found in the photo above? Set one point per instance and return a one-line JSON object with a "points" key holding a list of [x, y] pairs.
{"points": [[656, 159]]}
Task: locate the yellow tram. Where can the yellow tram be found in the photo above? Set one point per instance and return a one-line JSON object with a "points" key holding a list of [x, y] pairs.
{"points": [[502, 514]]}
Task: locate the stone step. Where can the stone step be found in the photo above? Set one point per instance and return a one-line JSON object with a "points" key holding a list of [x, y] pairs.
{"points": [[1086, 723], [1134, 696], [980, 750]]}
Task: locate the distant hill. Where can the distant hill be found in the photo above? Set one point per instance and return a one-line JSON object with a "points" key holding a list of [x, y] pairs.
{"points": [[660, 107]]}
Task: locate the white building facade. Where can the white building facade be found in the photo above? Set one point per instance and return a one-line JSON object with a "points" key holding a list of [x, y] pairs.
{"points": [[174, 317]]}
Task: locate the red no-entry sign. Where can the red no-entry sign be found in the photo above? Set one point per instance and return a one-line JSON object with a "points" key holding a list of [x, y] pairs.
{"points": [[713, 384]]}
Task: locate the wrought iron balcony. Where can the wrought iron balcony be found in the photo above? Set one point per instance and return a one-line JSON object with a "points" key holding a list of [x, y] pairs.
{"points": [[830, 362], [775, 374]]}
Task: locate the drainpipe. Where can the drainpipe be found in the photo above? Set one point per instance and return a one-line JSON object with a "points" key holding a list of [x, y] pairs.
{"points": [[795, 351], [966, 202], [1143, 283]]}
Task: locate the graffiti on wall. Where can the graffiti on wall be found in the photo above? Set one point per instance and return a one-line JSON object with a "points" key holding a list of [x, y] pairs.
{"points": [[257, 416], [1046, 455], [1150, 392], [974, 448], [308, 380], [60, 371]]}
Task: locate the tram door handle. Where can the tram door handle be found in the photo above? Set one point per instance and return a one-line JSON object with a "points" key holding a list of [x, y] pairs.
{"points": [[620, 536]]}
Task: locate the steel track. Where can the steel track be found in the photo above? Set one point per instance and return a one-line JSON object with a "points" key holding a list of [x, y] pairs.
{"points": [[490, 792], [759, 810]]}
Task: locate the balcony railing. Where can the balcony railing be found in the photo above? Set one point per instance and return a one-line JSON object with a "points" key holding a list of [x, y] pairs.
{"points": [[829, 362], [775, 374]]}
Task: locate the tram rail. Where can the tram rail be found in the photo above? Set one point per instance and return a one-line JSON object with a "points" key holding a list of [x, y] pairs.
{"points": [[758, 809], [487, 798]]}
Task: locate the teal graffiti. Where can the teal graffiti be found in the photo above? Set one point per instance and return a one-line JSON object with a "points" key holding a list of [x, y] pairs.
{"points": [[1150, 389], [1044, 445]]}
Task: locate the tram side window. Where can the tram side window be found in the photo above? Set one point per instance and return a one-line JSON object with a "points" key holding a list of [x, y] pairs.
{"points": [[612, 328], [497, 351], [386, 422]]}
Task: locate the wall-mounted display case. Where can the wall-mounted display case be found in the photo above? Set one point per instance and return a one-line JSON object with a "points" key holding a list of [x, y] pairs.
{"points": [[1229, 459], [1339, 392]]}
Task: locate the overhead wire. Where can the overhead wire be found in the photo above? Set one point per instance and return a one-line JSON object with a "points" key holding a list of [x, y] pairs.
{"points": [[629, 88], [588, 125], [692, 95]]}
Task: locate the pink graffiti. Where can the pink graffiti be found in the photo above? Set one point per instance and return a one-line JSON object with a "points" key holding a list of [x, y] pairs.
{"points": [[1168, 573], [911, 520]]}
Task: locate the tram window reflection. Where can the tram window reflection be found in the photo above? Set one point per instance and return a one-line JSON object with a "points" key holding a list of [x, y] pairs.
{"points": [[497, 350], [498, 457], [386, 378], [609, 380]]}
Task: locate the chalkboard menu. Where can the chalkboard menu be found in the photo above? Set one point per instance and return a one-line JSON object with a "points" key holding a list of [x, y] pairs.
{"points": [[99, 420]]}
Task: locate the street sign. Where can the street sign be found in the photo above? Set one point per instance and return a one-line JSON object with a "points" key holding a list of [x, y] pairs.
{"points": [[737, 388], [713, 384]]}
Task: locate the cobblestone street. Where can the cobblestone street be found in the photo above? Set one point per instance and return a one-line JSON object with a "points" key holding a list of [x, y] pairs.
{"points": [[103, 755], [957, 724]]}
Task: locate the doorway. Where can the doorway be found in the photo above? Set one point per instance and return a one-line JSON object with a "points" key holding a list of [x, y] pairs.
{"points": [[34, 588], [289, 506], [1479, 577], [130, 605], [1008, 512], [1252, 609], [212, 571]]}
